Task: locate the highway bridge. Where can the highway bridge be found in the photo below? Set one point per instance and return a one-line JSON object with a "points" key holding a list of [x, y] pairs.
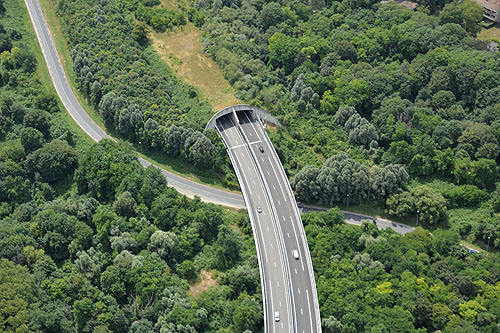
{"points": [[287, 277]]}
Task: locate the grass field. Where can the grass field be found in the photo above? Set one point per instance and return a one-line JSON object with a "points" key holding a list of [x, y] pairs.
{"points": [[183, 51], [490, 33]]}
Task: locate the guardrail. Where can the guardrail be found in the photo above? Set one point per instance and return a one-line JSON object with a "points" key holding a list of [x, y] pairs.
{"points": [[300, 227]]}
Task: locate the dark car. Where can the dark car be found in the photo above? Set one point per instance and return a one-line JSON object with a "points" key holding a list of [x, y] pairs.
{"points": [[261, 149]]}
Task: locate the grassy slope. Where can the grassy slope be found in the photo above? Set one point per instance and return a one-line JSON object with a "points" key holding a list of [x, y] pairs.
{"points": [[182, 50], [178, 166]]}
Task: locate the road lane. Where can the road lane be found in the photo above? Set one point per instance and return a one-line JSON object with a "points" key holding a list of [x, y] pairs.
{"points": [[275, 293], [305, 302]]}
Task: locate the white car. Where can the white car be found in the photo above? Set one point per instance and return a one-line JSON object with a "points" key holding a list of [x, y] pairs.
{"points": [[259, 209], [276, 316], [295, 254]]}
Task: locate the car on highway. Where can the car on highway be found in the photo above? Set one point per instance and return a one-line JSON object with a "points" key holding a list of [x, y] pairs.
{"points": [[261, 149], [259, 209], [295, 254], [276, 316]]}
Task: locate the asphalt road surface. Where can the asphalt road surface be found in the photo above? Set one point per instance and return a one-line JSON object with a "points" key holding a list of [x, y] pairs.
{"points": [[305, 304], [272, 268]]}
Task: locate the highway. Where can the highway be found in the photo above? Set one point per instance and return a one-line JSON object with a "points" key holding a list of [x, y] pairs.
{"points": [[275, 291], [303, 286]]}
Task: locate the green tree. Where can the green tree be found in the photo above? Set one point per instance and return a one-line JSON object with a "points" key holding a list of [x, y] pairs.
{"points": [[270, 15], [141, 32], [31, 139], [17, 296], [467, 13], [247, 315], [163, 243], [282, 51], [125, 205], [305, 184], [227, 247], [52, 162], [431, 205]]}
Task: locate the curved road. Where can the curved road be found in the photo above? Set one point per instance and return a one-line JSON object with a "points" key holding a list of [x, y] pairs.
{"points": [[273, 274]]}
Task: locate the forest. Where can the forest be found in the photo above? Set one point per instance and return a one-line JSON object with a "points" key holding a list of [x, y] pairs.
{"points": [[90, 241]]}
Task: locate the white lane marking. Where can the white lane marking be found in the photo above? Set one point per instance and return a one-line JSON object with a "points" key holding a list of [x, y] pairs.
{"points": [[262, 237], [288, 234], [258, 196], [234, 126], [297, 240], [278, 282], [239, 165], [275, 264], [276, 175], [298, 290], [262, 158], [309, 307], [296, 274], [272, 247], [251, 123], [250, 133], [267, 229], [254, 182], [280, 304], [272, 305], [238, 146], [283, 218], [268, 173], [274, 187], [248, 168], [301, 311], [279, 203]]}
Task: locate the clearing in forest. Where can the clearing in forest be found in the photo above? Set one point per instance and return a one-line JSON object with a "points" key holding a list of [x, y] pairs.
{"points": [[490, 33], [183, 51], [206, 281]]}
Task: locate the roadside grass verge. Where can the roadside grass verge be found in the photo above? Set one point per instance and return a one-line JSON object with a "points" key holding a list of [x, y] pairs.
{"points": [[64, 52]]}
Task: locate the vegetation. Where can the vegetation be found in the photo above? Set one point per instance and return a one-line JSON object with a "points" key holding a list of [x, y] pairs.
{"points": [[90, 241], [379, 281]]}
